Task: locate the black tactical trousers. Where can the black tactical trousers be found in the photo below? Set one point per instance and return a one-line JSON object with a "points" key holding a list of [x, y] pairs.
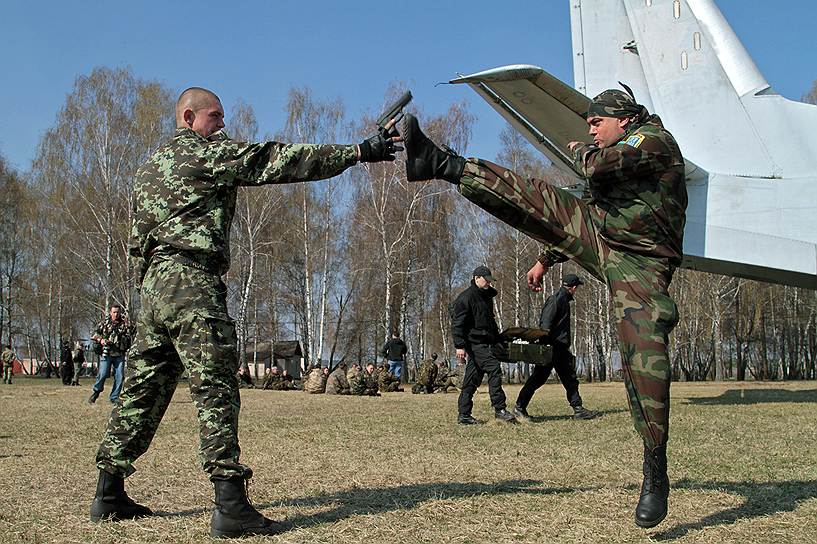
{"points": [[563, 363], [481, 361]]}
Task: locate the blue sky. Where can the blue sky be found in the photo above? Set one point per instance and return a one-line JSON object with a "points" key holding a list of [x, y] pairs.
{"points": [[257, 50]]}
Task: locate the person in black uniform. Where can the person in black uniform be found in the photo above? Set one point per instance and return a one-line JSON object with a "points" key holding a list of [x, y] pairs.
{"points": [[555, 318], [476, 334]]}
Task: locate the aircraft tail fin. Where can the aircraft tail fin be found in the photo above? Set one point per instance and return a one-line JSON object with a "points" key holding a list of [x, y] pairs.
{"points": [[685, 63]]}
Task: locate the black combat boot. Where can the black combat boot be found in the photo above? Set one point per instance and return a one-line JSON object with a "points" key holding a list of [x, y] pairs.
{"points": [[521, 413], [504, 415], [424, 160], [467, 419], [580, 412], [652, 505], [234, 516], [112, 503]]}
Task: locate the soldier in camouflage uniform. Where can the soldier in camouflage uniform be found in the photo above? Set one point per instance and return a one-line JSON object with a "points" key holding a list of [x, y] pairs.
{"points": [[336, 383], [426, 376], [274, 381], [315, 381], [7, 363], [184, 202], [447, 378], [365, 382], [386, 381], [353, 373], [627, 235]]}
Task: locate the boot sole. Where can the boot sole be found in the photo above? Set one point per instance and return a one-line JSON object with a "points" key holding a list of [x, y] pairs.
{"points": [[238, 534], [651, 524], [114, 517]]}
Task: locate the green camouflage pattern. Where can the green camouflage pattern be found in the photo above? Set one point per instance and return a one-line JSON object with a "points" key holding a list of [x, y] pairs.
{"points": [[276, 382], [449, 379], [386, 381], [364, 384], [426, 375], [184, 202], [186, 193], [337, 384], [183, 324], [117, 336], [628, 236], [614, 103]]}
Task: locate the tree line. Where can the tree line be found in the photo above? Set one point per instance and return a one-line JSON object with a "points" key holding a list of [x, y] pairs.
{"points": [[341, 263]]}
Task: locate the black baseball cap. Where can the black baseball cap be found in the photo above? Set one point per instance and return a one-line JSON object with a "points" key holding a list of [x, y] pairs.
{"points": [[571, 280], [483, 271]]}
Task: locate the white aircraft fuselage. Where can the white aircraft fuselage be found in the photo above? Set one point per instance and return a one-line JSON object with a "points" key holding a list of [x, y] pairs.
{"points": [[751, 159]]}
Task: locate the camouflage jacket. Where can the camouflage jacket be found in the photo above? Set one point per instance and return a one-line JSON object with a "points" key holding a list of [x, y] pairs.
{"points": [[336, 383], [117, 336], [637, 191], [386, 381], [185, 194], [442, 376], [427, 373], [315, 381], [276, 382], [8, 356], [364, 383]]}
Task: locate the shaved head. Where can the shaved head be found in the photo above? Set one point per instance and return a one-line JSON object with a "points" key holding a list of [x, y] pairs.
{"points": [[197, 109]]}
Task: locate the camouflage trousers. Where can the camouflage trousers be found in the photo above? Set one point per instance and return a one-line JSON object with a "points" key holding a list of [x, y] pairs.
{"points": [[645, 314], [183, 323]]}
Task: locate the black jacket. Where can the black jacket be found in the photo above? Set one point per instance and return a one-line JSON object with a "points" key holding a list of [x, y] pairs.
{"points": [[394, 349], [472, 317], [556, 317]]}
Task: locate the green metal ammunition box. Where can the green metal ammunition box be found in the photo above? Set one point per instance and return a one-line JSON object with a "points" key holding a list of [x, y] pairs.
{"points": [[536, 354]]}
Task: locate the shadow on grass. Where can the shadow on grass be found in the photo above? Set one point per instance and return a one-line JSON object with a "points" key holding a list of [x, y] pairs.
{"points": [[369, 501], [756, 396], [364, 500], [545, 419], [762, 499]]}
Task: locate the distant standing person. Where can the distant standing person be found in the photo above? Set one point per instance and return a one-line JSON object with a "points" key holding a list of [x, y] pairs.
{"points": [[476, 335], [555, 318], [114, 334], [7, 361], [66, 363], [394, 351], [78, 357]]}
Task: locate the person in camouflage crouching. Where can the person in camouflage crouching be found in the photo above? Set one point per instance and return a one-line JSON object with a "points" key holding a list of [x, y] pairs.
{"points": [[364, 383], [426, 375], [315, 381], [627, 234], [184, 202], [448, 379], [336, 383], [274, 380], [386, 381]]}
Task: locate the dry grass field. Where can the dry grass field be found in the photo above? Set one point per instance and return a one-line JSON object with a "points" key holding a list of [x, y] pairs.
{"points": [[743, 465]]}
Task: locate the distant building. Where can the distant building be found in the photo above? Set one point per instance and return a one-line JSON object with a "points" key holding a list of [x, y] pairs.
{"points": [[286, 355]]}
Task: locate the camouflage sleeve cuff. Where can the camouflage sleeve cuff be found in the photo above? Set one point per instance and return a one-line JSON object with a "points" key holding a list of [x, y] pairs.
{"points": [[578, 155], [550, 257]]}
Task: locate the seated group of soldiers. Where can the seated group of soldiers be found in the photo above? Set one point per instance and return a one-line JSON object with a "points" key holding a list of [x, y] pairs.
{"points": [[432, 377], [368, 381]]}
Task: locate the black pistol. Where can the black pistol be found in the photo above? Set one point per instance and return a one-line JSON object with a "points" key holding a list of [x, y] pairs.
{"points": [[391, 112]]}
